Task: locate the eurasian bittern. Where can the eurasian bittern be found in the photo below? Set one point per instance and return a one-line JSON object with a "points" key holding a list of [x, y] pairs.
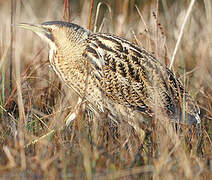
{"points": [[106, 68]]}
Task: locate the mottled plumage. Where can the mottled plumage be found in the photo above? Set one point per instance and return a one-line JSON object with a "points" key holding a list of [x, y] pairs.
{"points": [[107, 69]]}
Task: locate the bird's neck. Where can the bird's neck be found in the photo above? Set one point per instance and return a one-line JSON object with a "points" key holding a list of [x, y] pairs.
{"points": [[66, 58], [70, 44]]}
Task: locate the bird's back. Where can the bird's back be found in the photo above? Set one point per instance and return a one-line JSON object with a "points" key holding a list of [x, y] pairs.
{"points": [[131, 76]]}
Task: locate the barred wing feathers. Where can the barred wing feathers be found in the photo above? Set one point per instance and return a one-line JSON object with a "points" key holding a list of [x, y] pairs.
{"points": [[131, 76]]}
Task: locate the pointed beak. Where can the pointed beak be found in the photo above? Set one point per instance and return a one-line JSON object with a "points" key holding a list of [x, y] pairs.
{"points": [[40, 30], [34, 28]]}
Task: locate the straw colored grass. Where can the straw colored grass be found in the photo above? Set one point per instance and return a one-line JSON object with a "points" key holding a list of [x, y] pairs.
{"points": [[35, 142]]}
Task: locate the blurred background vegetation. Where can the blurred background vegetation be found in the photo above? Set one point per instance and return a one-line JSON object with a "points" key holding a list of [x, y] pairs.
{"points": [[34, 102]]}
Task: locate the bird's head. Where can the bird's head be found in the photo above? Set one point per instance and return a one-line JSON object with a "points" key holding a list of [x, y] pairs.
{"points": [[57, 33]]}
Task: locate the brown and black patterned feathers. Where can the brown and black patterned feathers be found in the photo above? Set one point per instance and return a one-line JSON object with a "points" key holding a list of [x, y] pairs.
{"points": [[133, 77]]}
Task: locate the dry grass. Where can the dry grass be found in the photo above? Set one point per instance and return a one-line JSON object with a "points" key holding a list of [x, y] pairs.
{"points": [[34, 141]]}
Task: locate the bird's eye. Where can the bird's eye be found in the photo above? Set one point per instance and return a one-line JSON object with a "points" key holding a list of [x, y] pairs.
{"points": [[49, 29]]}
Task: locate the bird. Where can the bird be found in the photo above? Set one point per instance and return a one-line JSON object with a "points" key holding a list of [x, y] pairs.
{"points": [[110, 71]]}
